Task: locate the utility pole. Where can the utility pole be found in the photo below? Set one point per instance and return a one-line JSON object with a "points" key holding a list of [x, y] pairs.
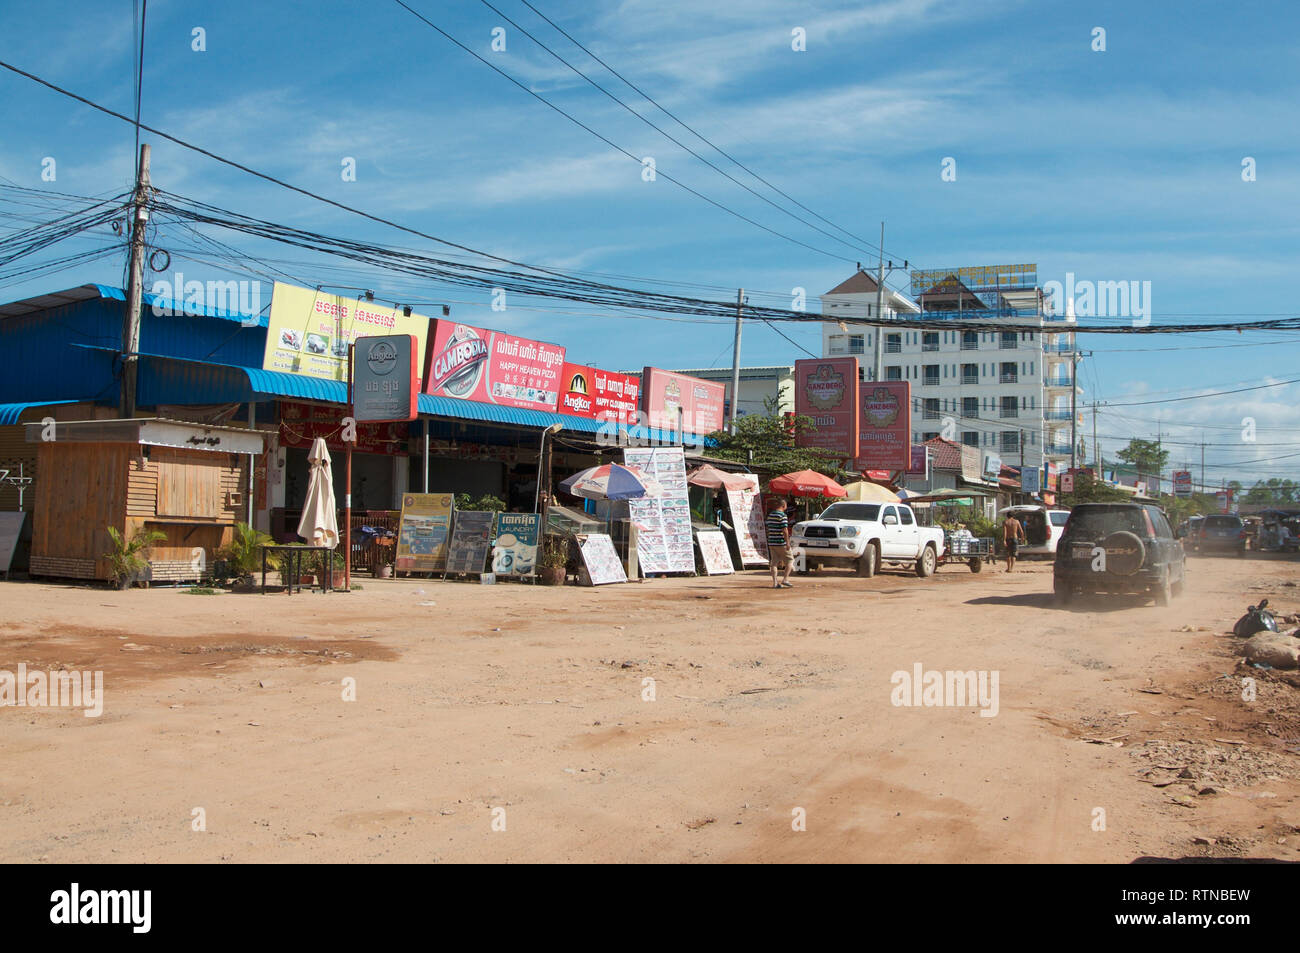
{"points": [[1202, 461], [1096, 448], [735, 360], [1074, 410], [880, 306], [135, 288]]}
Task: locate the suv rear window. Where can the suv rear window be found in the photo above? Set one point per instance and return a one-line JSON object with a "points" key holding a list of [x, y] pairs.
{"points": [[1058, 518], [1096, 522], [1223, 522]]}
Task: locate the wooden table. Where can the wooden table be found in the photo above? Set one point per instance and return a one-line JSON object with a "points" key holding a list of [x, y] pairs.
{"points": [[291, 567]]}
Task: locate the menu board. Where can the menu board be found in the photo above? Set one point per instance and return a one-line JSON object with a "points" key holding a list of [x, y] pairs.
{"points": [[515, 551], [717, 557], [663, 519], [747, 516], [471, 535], [603, 565], [423, 531]]}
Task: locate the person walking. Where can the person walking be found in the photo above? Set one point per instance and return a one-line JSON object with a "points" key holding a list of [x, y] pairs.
{"points": [[778, 545], [1012, 534]]}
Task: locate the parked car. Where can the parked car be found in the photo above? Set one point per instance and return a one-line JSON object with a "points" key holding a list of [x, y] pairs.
{"points": [[1221, 533], [1119, 547], [1043, 527], [868, 535]]}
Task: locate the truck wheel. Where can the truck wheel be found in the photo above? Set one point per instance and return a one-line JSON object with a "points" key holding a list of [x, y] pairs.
{"points": [[925, 565], [976, 564], [869, 561]]}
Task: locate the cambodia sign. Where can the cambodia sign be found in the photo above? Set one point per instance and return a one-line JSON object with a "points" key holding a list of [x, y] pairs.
{"points": [[682, 404], [492, 367], [601, 395], [885, 426], [384, 378], [826, 389], [308, 331]]}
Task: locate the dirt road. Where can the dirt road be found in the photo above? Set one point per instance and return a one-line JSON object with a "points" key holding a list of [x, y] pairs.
{"points": [[675, 720]]}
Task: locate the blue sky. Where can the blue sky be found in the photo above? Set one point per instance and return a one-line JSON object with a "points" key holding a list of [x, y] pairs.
{"points": [[1115, 165]]}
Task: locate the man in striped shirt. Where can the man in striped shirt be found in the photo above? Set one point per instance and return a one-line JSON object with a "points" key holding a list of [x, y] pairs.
{"points": [[778, 545]]}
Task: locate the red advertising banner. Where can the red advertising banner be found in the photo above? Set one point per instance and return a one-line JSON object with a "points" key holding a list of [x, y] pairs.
{"points": [[885, 425], [301, 423], [492, 367], [826, 389], [590, 392], [680, 403]]}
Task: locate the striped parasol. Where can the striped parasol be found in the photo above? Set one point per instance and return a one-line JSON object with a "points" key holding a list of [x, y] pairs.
{"points": [[612, 481]]}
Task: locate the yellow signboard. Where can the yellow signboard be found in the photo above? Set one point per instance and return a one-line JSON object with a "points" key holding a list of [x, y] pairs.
{"points": [[309, 331], [423, 532], [979, 277]]}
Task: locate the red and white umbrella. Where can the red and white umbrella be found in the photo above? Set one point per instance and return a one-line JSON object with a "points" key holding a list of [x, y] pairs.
{"points": [[612, 481]]}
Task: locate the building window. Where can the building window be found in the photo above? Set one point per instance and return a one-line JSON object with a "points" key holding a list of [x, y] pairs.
{"points": [[970, 408], [1010, 441], [1008, 340], [930, 341], [970, 373], [1010, 373], [1009, 407], [970, 340], [928, 435], [970, 438], [837, 344], [893, 372], [855, 344], [931, 408], [893, 343], [931, 374]]}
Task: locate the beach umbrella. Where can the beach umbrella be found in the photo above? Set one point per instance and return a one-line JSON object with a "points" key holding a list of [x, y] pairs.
{"points": [[319, 524], [611, 481], [711, 477], [805, 483], [866, 492]]}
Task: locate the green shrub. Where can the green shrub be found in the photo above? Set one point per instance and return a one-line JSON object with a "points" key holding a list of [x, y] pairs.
{"points": [[130, 557]]}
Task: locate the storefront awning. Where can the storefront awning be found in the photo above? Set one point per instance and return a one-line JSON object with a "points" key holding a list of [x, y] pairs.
{"points": [[9, 413]]}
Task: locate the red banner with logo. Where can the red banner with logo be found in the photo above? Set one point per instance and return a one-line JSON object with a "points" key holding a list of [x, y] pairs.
{"points": [[826, 389], [602, 395], [679, 403], [492, 367], [300, 424], [885, 425]]}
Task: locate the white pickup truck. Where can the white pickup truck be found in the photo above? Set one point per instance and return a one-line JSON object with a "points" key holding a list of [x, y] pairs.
{"points": [[869, 534]]}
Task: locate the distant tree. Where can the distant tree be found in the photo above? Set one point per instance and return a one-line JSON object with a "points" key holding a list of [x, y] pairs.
{"points": [[1145, 456], [1090, 490], [767, 442]]}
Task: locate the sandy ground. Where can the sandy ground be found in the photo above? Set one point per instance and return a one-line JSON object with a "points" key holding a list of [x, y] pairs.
{"points": [[767, 707]]}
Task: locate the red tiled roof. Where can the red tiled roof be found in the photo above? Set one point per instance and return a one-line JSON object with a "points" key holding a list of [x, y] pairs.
{"points": [[860, 283], [944, 454]]}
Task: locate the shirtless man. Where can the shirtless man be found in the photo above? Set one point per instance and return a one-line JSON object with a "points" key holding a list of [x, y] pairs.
{"points": [[1012, 534]]}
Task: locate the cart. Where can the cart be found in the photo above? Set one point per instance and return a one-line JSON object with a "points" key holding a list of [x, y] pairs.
{"points": [[971, 550]]}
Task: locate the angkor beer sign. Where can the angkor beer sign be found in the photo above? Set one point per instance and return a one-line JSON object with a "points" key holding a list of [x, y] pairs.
{"points": [[826, 389], [884, 425], [384, 378], [601, 395], [492, 367]]}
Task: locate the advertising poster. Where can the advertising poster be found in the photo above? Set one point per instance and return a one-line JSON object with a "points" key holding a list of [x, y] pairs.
{"points": [[1052, 470], [1183, 483], [423, 532], [826, 389], [682, 404], [302, 423], [471, 537], [885, 426], [716, 555], [919, 464], [747, 512], [492, 367], [663, 520], [601, 559], [309, 331], [601, 395], [384, 378], [515, 551], [1029, 480]]}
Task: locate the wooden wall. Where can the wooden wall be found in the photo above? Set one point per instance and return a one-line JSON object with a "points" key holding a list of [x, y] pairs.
{"points": [[81, 492]]}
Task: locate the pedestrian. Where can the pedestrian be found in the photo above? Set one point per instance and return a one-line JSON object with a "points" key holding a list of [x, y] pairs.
{"points": [[1012, 534], [778, 545]]}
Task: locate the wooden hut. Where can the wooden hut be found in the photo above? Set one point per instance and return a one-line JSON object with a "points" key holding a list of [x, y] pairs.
{"points": [[188, 481]]}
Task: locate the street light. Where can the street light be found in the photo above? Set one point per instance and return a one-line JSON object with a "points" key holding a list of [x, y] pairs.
{"points": [[541, 455]]}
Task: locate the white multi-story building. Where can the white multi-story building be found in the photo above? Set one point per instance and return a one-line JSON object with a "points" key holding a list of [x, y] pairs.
{"points": [[1006, 392]]}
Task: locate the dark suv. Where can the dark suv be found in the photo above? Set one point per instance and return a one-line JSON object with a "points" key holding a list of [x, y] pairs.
{"points": [[1221, 534], [1118, 547]]}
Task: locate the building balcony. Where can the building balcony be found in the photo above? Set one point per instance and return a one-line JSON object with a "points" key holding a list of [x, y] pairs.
{"points": [[1008, 378], [1056, 450], [1058, 382], [1056, 415], [970, 378]]}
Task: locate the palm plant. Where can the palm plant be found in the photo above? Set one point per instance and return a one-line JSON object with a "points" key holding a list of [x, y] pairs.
{"points": [[130, 557], [244, 551]]}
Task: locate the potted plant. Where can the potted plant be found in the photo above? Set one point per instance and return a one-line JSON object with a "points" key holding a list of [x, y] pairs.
{"points": [[384, 559], [339, 577], [243, 554], [552, 567], [129, 558]]}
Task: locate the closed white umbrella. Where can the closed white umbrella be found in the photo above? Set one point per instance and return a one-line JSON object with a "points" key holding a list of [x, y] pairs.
{"points": [[319, 524]]}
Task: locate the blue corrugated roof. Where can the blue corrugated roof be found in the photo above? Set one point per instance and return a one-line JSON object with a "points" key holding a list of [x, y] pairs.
{"points": [[9, 413], [178, 308]]}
